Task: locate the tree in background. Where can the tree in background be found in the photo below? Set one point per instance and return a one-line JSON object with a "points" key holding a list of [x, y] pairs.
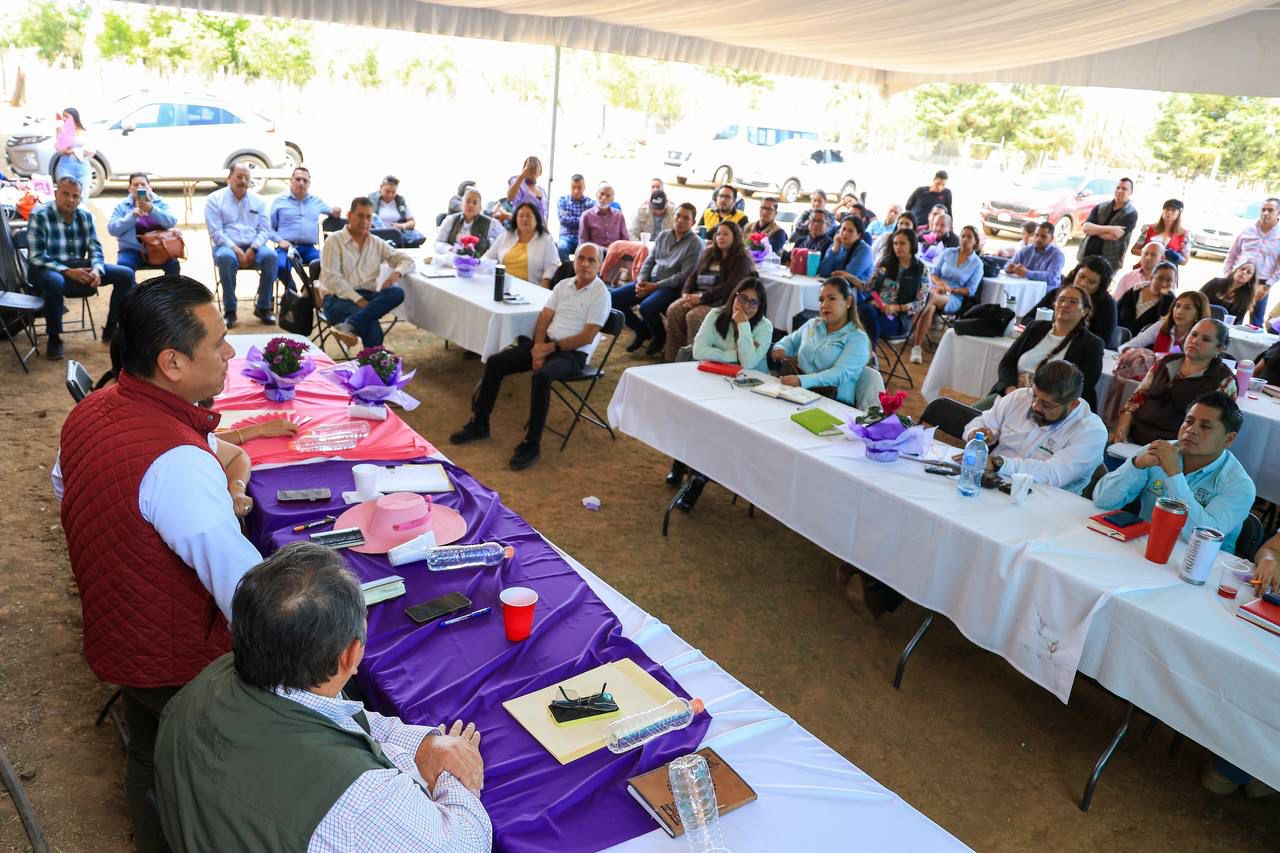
{"points": [[435, 75], [55, 30], [365, 71], [1200, 135], [753, 82], [1039, 120], [644, 86]]}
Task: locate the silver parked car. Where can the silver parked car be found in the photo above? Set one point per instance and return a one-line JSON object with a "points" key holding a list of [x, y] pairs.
{"points": [[1216, 230], [166, 136], [796, 168]]}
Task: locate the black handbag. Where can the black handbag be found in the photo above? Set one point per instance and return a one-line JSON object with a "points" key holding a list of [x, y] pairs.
{"points": [[297, 312], [984, 321]]}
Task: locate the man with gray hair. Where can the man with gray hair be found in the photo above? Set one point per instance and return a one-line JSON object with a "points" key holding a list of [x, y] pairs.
{"points": [[601, 224], [238, 232], [65, 258], [1045, 430], [267, 725]]}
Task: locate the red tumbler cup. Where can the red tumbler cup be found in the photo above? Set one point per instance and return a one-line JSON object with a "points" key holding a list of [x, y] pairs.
{"points": [[517, 611], [1167, 518]]}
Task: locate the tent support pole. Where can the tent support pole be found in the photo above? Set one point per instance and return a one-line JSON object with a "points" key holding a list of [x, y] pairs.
{"points": [[555, 108]]}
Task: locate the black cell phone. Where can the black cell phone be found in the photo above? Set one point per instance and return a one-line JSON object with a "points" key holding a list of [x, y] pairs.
{"points": [[1122, 518], [941, 471], [346, 537], [320, 494], [431, 610]]}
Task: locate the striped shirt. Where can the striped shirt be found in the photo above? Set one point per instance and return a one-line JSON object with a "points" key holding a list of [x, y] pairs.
{"points": [[384, 810], [54, 243], [1261, 247]]}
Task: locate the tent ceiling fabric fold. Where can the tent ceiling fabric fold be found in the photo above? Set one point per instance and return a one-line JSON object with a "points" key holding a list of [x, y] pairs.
{"points": [[894, 44]]}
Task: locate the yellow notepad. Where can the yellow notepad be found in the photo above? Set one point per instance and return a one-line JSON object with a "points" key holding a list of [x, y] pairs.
{"points": [[633, 689]]}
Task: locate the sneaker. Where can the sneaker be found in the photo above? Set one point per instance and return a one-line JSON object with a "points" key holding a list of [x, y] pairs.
{"points": [[230, 319], [1214, 781], [526, 453], [54, 348], [345, 333], [917, 355], [473, 431]]}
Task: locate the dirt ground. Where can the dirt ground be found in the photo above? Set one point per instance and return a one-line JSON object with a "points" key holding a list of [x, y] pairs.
{"points": [[994, 759]]}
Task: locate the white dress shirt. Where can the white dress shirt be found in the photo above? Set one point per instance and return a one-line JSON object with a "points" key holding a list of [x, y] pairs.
{"points": [[576, 308], [1063, 454], [184, 496], [346, 266], [391, 811]]}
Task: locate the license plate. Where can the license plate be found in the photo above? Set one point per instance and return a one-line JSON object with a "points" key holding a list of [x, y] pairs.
{"points": [[1003, 217]]}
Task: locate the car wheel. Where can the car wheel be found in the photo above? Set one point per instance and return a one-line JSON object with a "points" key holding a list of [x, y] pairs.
{"points": [[99, 177], [292, 156], [790, 191], [989, 231], [723, 176], [1062, 230], [849, 188], [256, 184]]}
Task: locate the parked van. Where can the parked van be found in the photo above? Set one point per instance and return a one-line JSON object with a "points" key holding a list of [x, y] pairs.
{"points": [[711, 153]]}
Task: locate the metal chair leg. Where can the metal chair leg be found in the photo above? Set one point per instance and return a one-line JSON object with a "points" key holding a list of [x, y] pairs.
{"points": [[1174, 744], [911, 647], [680, 493], [1106, 757]]}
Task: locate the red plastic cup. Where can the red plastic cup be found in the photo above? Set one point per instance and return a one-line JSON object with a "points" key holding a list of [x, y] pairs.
{"points": [[1167, 518], [517, 611]]}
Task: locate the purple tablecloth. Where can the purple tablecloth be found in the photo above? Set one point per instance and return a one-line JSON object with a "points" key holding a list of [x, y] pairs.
{"points": [[431, 674]]}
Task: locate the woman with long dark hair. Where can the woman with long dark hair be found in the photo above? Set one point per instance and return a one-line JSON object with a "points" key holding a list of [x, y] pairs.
{"points": [[74, 155], [738, 332], [525, 248], [1237, 293], [1066, 336], [956, 276], [1144, 305], [723, 264], [1169, 231], [886, 307], [1168, 333], [829, 351], [1094, 274]]}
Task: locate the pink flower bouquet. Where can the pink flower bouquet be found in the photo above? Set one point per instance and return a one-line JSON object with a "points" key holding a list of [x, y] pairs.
{"points": [[375, 378], [279, 367]]}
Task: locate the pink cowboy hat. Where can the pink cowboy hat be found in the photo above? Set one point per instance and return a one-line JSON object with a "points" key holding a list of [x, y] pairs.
{"points": [[396, 518]]}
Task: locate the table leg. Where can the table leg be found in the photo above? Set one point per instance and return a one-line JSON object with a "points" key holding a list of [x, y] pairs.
{"points": [[1106, 757], [680, 493], [911, 647]]}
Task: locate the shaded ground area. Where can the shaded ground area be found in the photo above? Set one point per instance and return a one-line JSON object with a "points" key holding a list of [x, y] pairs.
{"points": [[979, 749]]}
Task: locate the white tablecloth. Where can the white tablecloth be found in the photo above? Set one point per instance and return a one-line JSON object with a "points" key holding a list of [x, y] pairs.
{"points": [[964, 363], [787, 295], [462, 310], [1028, 292], [1246, 343], [809, 795], [1027, 583]]}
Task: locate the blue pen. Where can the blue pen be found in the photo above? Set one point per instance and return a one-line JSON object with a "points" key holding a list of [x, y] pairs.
{"points": [[464, 617]]}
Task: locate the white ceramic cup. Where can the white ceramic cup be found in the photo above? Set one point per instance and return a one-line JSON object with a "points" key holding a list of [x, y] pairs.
{"points": [[366, 477], [644, 237], [1230, 319]]}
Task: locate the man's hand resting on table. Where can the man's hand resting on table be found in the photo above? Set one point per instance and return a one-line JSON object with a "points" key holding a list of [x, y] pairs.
{"points": [[458, 752]]}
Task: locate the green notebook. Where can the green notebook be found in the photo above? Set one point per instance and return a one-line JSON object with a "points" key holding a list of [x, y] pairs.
{"points": [[818, 421]]}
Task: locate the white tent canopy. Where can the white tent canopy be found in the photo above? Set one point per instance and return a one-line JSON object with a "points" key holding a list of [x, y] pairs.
{"points": [[1214, 46]]}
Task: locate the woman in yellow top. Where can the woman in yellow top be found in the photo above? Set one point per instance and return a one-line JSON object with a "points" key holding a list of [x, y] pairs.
{"points": [[525, 248]]}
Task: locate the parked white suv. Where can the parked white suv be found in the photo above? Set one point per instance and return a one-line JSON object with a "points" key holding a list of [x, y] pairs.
{"points": [[166, 136]]}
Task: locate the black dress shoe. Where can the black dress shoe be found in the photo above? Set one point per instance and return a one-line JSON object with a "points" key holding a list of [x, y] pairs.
{"points": [[692, 493], [640, 338], [53, 349], [473, 431], [265, 315], [656, 346], [878, 597], [676, 475], [108, 332], [526, 453], [230, 320]]}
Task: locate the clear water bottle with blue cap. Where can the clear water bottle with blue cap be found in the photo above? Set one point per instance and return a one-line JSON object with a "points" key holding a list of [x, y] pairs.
{"points": [[972, 465]]}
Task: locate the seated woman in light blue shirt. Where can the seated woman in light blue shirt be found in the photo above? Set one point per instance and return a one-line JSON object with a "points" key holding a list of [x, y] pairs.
{"points": [[737, 332], [831, 349], [849, 257], [957, 275]]}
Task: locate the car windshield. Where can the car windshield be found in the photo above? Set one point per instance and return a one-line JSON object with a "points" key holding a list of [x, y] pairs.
{"points": [[1247, 210], [1052, 182], [729, 131]]}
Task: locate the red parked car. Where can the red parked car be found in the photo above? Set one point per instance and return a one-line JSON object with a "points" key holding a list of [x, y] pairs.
{"points": [[1063, 198]]}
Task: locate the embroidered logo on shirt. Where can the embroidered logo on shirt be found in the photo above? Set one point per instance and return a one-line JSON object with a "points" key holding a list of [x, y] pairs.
{"points": [[1202, 496], [1157, 487]]}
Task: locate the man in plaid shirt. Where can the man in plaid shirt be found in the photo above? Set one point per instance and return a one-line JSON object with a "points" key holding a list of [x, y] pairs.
{"points": [[64, 256], [569, 210]]}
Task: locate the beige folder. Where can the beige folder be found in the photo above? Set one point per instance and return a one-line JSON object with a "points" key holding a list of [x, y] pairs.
{"points": [[633, 689]]}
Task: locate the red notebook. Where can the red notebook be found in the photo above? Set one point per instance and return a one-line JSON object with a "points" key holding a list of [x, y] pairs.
{"points": [[1261, 613], [720, 367], [1105, 523]]}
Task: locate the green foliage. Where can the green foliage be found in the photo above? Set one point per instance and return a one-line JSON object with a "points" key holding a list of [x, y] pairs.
{"points": [[434, 76], [1040, 120], [222, 42], [55, 30], [279, 51], [118, 39], [753, 83], [365, 72], [632, 84], [1195, 132]]}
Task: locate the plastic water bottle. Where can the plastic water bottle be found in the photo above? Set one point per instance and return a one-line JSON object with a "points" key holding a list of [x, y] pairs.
{"points": [[1244, 373], [694, 793], [445, 558], [327, 437], [640, 728], [972, 465], [1011, 302]]}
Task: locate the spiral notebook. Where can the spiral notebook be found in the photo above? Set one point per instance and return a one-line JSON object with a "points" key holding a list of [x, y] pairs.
{"points": [[633, 689]]}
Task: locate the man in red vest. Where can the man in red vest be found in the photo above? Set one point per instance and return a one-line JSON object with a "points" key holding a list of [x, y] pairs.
{"points": [[153, 539]]}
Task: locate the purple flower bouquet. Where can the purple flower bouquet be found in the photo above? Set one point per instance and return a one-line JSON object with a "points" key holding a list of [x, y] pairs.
{"points": [[279, 368], [886, 434], [375, 378]]}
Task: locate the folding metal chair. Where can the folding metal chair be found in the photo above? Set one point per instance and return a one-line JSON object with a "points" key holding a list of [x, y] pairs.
{"points": [[306, 281], [591, 375], [950, 416], [893, 349], [78, 381], [18, 314]]}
